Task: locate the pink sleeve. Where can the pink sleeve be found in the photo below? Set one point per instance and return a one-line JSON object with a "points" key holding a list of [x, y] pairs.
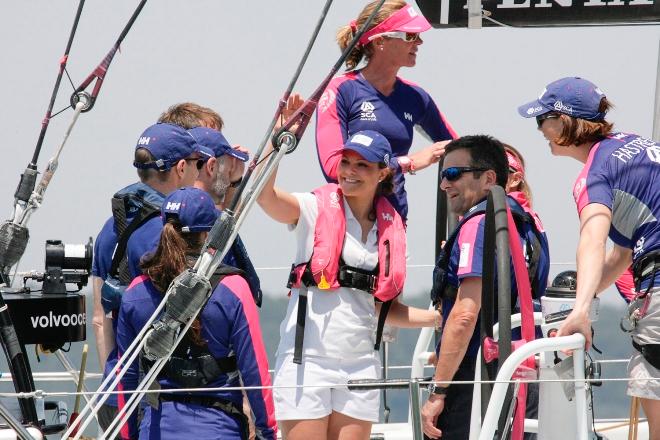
{"points": [[626, 285], [331, 127]]}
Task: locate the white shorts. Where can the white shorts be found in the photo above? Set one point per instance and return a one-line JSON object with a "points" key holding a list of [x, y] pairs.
{"points": [[319, 401], [640, 369]]}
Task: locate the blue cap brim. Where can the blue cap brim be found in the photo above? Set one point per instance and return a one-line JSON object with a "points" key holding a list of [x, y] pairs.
{"points": [[533, 109], [238, 154], [366, 153], [205, 152]]}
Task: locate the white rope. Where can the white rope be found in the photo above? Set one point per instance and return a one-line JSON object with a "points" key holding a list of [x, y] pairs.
{"points": [[41, 394], [408, 266]]}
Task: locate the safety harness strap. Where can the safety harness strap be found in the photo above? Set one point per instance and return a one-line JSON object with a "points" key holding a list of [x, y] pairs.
{"points": [[651, 352], [119, 266], [646, 267], [384, 310], [300, 324]]}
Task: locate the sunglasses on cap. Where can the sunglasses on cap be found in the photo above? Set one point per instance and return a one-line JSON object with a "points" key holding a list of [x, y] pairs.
{"points": [[454, 173], [543, 117], [408, 37]]}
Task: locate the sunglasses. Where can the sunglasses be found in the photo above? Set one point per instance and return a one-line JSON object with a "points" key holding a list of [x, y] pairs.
{"points": [[199, 162], [543, 117], [408, 37], [454, 173]]}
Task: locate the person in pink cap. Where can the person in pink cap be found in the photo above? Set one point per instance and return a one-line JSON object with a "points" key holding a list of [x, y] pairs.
{"points": [[375, 98]]}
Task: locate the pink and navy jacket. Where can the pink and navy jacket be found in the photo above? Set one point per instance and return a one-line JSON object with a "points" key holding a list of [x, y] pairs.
{"points": [[623, 173], [351, 104], [329, 233], [230, 325]]}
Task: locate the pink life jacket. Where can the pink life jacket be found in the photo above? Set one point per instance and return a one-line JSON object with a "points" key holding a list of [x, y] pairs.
{"points": [[329, 233]]}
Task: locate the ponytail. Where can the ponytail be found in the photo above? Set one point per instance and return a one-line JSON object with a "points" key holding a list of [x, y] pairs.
{"points": [[175, 253], [345, 34]]}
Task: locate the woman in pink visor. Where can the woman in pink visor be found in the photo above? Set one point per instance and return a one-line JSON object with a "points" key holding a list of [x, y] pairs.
{"points": [[373, 97]]}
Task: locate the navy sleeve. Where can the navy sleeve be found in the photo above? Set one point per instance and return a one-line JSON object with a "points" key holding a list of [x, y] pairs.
{"points": [[104, 247], [144, 240]]}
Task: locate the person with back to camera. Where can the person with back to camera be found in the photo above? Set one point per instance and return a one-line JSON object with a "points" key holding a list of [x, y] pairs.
{"points": [[132, 208], [617, 194], [223, 348], [350, 264], [375, 98]]}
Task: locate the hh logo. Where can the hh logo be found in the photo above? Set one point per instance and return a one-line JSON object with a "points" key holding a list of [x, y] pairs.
{"points": [[388, 217], [173, 206], [407, 116], [144, 140], [334, 200]]}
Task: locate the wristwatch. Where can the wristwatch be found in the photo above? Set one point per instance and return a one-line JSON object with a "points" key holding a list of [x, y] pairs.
{"points": [[437, 389]]}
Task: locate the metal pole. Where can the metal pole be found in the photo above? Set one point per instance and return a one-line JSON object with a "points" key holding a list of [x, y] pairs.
{"points": [[414, 408], [656, 113], [581, 406]]}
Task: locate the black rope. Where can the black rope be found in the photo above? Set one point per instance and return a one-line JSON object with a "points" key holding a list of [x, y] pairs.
{"points": [[63, 61]]}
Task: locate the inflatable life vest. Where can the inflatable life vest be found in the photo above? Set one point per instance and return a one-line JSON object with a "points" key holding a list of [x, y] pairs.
{"points": [[537, 252], [327, 271], [325, 266]]}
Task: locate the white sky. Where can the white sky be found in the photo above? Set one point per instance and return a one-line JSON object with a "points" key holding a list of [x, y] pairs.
{"points": [[237, 57]]}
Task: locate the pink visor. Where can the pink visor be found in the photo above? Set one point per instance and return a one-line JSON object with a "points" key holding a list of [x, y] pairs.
{"points": [[514, 163], [404, 20]]}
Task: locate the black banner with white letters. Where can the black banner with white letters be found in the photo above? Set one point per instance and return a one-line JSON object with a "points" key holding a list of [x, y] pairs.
{"points": [[544, 13]]}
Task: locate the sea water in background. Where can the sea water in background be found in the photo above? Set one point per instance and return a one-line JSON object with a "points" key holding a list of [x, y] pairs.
{"points": [[610, 399]]}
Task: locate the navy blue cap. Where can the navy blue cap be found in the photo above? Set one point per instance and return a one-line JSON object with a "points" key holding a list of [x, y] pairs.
{"points": [[215, 141], [192, 207], [572, 96], [168, 144], [371, 145]]}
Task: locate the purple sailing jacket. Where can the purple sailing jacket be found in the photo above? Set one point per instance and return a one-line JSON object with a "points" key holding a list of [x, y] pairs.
{"points": [[230, 325], [351, 104]]}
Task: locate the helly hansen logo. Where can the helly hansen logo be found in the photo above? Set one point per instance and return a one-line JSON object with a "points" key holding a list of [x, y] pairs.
{"points": [[334, 200], [407, 116], [173, 206], [144, 140], [388, 217]]}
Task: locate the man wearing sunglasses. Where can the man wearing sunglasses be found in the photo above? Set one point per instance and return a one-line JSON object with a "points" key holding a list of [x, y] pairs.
{"points": [[472, 165], [166, 158]]}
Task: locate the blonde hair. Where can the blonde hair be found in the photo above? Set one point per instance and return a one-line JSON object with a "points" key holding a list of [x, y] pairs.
{"points": [[345, 33]]}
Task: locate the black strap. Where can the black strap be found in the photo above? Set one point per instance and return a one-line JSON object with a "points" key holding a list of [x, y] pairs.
{"points": [[300, 324], [223, 405], [119, 264], [519, 214], [384, 310], [649, 261], [356, 278], [651, 353]]}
